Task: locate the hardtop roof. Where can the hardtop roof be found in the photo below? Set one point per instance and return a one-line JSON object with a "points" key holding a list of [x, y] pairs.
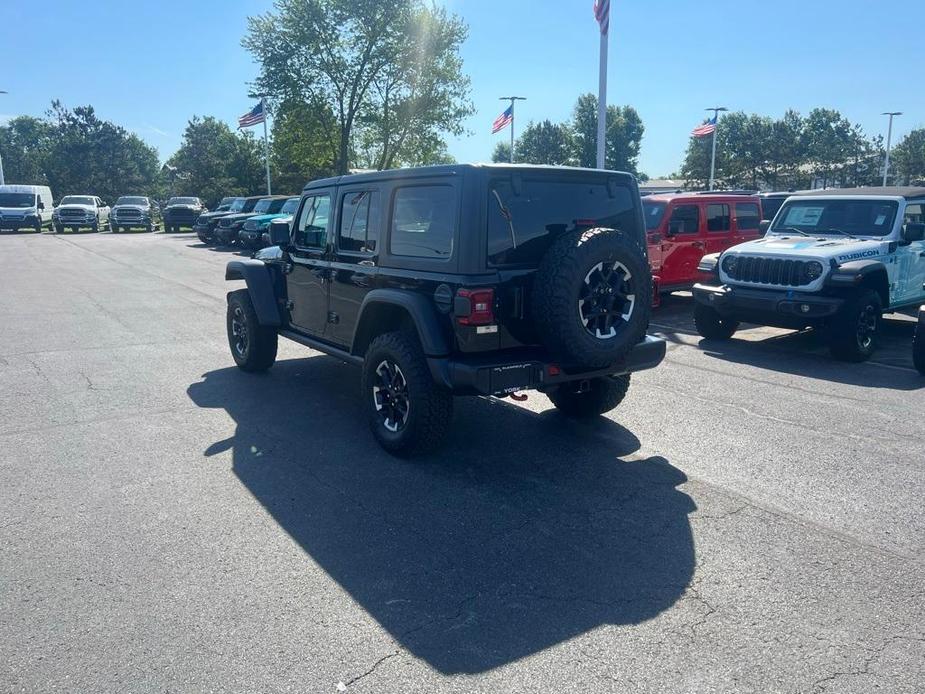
{"points": [[453, 170], [889, 191], [693, 197]]}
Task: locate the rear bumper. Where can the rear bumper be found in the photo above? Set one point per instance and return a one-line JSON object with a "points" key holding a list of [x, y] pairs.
{"points": [[494, 375], [767, 307]]}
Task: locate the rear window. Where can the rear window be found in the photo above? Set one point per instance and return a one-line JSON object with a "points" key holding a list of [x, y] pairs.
{"points": [[747, 216], [521, 226], [423, 222]]}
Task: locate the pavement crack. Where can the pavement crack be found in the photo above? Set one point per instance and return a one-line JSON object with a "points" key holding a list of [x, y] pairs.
{"points": [[371, 670]]}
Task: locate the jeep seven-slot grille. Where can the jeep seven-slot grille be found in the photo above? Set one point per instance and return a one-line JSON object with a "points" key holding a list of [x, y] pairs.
{"points": [[779, 271]]}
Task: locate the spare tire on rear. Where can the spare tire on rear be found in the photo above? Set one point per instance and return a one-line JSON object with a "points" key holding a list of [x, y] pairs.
{"points": [[592, 296]]}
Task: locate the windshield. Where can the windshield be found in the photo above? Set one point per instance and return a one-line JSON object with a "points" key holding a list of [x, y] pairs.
{"points": [[183, 201], [77, 200], [226, 202], [814, 216], [292, 204], [263, 206], [248, 205], [17, 199], [237, 205], [132, 200], [523, 224], [653, 212]]}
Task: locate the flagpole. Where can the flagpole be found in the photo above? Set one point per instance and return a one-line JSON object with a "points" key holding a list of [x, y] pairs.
{"points": [[602, 103], [716, 111], [512, 99], [266, 142]]}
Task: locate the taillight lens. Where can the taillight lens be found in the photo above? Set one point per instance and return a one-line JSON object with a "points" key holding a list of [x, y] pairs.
{"points": [[475, 306]]}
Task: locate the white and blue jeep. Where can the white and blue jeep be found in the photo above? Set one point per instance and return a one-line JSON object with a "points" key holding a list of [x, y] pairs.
{"points": [[835, 259]]}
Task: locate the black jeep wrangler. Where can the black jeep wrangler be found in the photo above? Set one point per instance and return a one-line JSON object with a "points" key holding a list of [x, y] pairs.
{"points": [[457, 280]]}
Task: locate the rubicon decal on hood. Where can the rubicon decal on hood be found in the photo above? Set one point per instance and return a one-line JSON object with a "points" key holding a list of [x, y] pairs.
{"points": [[860, 254]]}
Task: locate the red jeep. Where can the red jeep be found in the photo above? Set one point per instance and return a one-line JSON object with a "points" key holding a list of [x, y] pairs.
{"points": [[681, 228]]}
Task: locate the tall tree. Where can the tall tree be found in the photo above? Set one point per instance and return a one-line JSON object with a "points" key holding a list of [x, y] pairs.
{"points": [[828, 142], [907, 160], [545, 143], [372, 62], [89, 155], [304, 144], [213, 162], [501, 154], [24, 144], [624, 131]]}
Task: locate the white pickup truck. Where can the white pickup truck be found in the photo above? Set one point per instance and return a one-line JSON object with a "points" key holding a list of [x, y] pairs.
{"points": [[835, 259], [77, 212]]}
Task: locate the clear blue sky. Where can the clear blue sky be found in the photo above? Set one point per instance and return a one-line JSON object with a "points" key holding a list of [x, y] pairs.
{"points": [[151, 66]]}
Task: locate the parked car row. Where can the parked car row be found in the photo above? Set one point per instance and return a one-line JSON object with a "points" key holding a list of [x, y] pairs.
{"points": [[245, 221]]}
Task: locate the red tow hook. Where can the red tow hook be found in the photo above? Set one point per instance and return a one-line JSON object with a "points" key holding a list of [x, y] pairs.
{"points": [[519, 397]]}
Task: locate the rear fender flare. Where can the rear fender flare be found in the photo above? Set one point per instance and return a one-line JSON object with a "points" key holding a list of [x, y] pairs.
{"points": [[260, 287], [419, 308]]}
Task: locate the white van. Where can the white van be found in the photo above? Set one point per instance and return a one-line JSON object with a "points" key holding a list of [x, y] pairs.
{"points": [[25, 207]]}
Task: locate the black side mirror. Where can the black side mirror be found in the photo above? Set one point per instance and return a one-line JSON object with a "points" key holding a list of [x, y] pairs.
{"points": [[279, 233], [41, 205], [914, 231], [764, 225]]}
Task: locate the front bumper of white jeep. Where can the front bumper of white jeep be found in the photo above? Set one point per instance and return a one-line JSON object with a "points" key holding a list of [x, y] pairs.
{"points": [[783, 308]]}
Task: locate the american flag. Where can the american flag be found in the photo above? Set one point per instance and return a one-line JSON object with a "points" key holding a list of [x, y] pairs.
{"points": [[502, 121], [252, 117], [707, 128], [602, 14]]}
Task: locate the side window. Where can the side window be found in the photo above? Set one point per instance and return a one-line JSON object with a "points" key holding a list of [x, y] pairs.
{"points": [[748, 217], [358, 231], [718, 217], [914, 214], [423, 221], [685, 219], [312, 230]]}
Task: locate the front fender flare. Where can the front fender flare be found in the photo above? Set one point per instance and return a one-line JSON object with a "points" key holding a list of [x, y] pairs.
{"points": [[260, 287]]}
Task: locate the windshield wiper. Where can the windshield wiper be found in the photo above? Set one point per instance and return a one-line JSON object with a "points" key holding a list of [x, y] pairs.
{"points": [[837, 231]]}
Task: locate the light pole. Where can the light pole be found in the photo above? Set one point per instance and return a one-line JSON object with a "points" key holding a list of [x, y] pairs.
{"points": [[512, 99], [889, 136], [716, 111], [2, 180]]}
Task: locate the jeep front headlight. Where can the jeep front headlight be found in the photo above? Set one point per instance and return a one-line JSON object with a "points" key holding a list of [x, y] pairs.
{"points": [[813, 270], [729, 264]]}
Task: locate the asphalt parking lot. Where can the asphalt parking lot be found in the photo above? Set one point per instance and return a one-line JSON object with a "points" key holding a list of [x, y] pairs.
{"points": [[749, 520]]}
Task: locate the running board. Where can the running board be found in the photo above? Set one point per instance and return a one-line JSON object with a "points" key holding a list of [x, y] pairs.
{"points": [[324, 347]]}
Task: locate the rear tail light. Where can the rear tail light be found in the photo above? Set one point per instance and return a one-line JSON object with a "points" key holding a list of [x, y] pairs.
{"points": [[475, 306]]}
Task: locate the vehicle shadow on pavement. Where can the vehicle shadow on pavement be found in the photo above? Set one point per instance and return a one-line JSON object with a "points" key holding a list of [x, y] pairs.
{"points": [[525, 531]]}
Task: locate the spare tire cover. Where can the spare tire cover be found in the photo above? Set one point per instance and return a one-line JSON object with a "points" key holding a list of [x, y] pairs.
{"points": [[592, 297]]}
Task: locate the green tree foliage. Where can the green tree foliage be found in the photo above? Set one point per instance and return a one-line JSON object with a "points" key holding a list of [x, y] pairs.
{"points": [[388, 69], [24, 143], [89, 155], [907, 160], [213, 162], [303, 147], [501, 153], [545, 143], [792, 152], [623, 137]]}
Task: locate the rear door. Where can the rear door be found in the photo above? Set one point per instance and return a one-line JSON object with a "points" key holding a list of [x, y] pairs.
{"points": [[309, 281], [746, 221], [682, 247], [356, 255], [912, 259]]}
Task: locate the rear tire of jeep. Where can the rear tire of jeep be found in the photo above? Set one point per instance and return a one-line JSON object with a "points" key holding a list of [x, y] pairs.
{"points": [[918, 348], [854, 331], [592, 297], [711, 325], [408, 412], [253, 346], [603, 395]]}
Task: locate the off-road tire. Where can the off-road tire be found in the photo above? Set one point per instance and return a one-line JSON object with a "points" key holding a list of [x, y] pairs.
{"points": [[95, 227], [150, 228], [845, 337], [563, 276], [711, 325], [430, 406], [602, 395], [57, 229], [918, 347], [260, 341]]}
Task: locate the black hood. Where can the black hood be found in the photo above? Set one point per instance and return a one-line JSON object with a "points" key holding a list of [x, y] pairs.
{"points": [[216, 213], [240, 216]]}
